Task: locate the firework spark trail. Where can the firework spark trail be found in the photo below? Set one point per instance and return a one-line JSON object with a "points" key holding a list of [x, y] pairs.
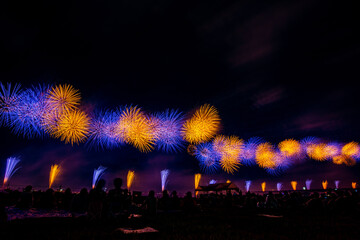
{"points": [[11, 164], [247, 185], [263, 186], [54, 172], [308, 184], [293, 185], [324, 184], [129, 179], [164, 178], [98, 172], [337, 182], [279, 186]]}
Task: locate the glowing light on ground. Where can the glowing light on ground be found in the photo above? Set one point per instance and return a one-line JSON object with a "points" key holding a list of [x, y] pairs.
{"points": [[98, 172], [247, 185], [263, 186], [202, 126], [164, 178], [11, 168], [54, 172], [130, 179], [308, 184], [293, 185], [324, 184]]}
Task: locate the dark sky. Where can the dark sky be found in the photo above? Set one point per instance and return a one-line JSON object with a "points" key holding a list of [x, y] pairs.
{"points": [[273, 69]]}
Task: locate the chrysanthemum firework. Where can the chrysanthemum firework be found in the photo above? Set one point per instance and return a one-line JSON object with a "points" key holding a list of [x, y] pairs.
{"points": [[202, 125]]}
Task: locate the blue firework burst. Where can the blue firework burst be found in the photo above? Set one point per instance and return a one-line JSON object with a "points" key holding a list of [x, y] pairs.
{"points": [[168, 131]]}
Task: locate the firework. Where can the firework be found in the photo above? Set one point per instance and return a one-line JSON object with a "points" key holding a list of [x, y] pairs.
{"points": [[337, 182], [353, 185], [202, 126], [229, 150], [212, 181], [293, 185], [102, 131], [197, 182], [27, 119], [308, 184], [73, 127], [263, 186], [247, 185], [351, 149], [54, 172], [265, 156], [168, 131], [11, 164], [9, 99], [247, 156], [290, 148], [97, 175], [164, 176], [208, 158], [324, 184], [279, 186], [135, 128], [129, 179]]}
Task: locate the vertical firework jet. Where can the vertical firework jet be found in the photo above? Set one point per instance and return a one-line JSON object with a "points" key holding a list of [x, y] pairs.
{"points": [[11, 163], [164, 178], [97, 175], [54, 171]]}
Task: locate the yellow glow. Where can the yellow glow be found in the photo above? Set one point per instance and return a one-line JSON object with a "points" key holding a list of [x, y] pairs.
{"points": [[73, 127], [293, 185], [135, 128], [129, 179], [290, 147], [265, 155], [263, 186], [317, 151], [229, 149], [353, 185], [54, 171], [351, 149], [197, 182], [324, 184], [202, 126]]}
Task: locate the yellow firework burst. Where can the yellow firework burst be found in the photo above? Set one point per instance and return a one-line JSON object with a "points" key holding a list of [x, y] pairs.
{"points": [[72, 127], [229, 149], [290, 147], [265, 155], [63, 98], [136, 128], [351, 149], [54, 172], [202, 126]]}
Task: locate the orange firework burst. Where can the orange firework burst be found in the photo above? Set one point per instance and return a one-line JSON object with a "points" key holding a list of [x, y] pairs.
{"points": [[202, 126], [72, 127], [136, 128], [63, 98], [318, 151], [265, 156], [290, 147], [54, 172], [229, 148], [351, 149]]}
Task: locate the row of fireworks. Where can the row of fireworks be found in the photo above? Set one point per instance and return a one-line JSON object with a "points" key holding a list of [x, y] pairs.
{"points": [[12, 167], [55, 111]]}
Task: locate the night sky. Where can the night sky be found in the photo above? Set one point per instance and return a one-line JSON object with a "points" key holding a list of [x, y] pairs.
{"points": [[273, 69]]}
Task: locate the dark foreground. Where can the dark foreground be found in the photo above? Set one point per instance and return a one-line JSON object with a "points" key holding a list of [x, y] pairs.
{"points": [[217, 224]]}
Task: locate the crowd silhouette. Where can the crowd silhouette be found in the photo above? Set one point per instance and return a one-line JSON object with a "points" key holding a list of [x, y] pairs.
{"points": [[120, 204]]}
